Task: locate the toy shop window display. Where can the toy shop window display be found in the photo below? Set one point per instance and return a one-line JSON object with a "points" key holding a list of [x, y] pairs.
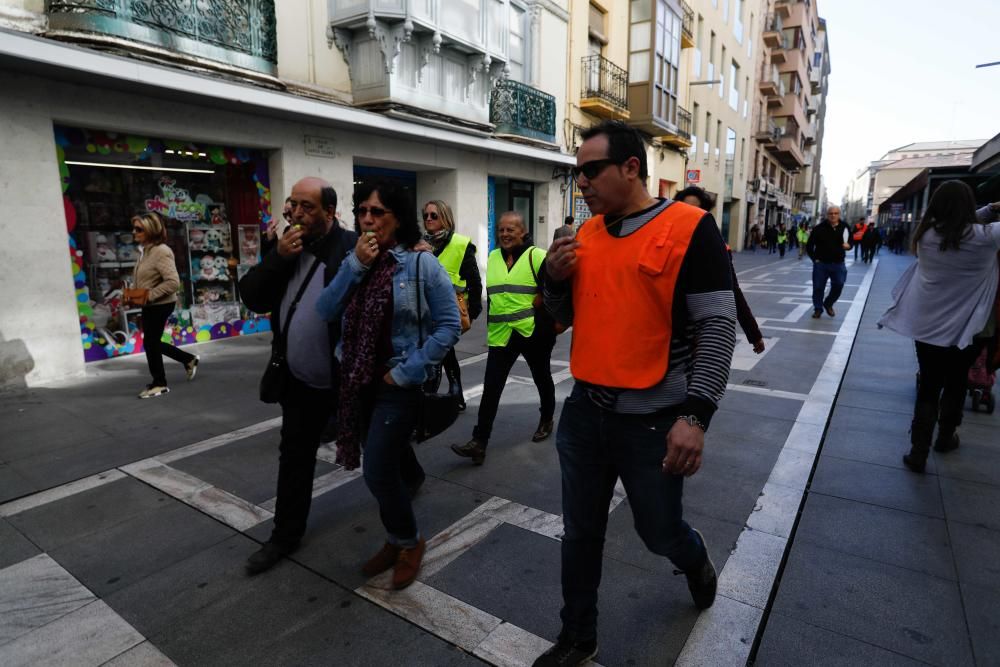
{"points": [[213, 267]]}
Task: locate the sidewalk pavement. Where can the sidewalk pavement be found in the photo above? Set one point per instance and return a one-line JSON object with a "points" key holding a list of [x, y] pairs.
{"points": [[888, 567], [126, 522]]}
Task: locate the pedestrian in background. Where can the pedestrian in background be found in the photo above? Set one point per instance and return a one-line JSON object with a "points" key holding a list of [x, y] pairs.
{"points": [[457, 255], [646, 286], [942, 302], [156, 275], [565, 230], [868, 244], [781, 239], [696, 196], [857, 235], [514, 328], [387, 350], [827, 248], [772, 239], [287, 283], [754, 236], [802, 236]]}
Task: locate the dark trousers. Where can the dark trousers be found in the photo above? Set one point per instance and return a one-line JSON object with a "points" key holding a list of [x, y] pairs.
{"points": [[305, 412], [389, 463], [596, 447], [944, 372], [781, 249], [154, 319], [537, 351], [836, 273]]}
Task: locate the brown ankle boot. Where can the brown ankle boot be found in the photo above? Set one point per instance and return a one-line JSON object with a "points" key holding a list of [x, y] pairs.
{"points": [[408, 565], [473, 449], [382, 561]]}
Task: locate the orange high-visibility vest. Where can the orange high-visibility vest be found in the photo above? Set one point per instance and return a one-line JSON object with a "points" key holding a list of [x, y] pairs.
{"points": [[623, 297], [859, 231]]}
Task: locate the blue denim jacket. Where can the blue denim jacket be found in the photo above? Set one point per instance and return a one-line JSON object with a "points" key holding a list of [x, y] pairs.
{"points": [[410, 363]]}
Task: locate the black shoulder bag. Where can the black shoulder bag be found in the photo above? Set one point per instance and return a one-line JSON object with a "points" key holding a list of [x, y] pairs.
{"points": [[436, 411], [275, 378]]}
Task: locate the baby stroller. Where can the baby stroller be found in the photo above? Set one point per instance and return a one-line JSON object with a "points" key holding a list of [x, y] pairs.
{"points": [[981, 381]]}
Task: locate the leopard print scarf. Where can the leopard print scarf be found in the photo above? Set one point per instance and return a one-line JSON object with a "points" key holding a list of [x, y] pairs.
{"points": [[362, 326]]}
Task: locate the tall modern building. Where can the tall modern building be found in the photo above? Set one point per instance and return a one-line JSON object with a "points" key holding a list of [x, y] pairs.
{"points": [[789, 114], [208, 111]]}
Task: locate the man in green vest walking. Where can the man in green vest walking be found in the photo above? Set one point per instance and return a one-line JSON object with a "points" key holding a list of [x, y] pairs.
{"points": [[514, 328]]}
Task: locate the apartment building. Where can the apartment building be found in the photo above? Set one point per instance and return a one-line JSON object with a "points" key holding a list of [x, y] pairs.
{"points": [[209, 111], [789, 114], [719, 91]]}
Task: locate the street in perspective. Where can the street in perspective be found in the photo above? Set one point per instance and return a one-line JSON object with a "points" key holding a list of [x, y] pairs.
{"points": [[497, 332]]}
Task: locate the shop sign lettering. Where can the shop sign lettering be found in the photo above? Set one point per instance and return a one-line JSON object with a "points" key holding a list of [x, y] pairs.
{"points": [[320, 146], [175, 202]]}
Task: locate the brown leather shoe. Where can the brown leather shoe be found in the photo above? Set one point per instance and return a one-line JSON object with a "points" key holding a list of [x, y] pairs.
{"points": [[829, 311], [816, 314], [473, 449], [408, 565], [382, 561], [543, 431]]}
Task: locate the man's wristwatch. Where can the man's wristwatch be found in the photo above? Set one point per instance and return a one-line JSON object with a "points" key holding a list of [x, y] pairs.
{"points": [[692, 421]]}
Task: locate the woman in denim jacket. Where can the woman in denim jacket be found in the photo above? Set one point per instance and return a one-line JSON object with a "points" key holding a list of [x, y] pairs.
{"points": [[383, 364]]}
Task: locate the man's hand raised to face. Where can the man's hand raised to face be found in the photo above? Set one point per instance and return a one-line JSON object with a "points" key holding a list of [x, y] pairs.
{"points": [[561, 260]]}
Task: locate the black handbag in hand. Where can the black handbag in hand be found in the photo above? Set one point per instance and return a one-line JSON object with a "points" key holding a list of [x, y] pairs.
{"points": [[437, 411], [275, 378]]}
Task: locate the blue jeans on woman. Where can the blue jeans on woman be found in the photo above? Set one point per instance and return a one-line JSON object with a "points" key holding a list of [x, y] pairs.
{"points": [[389, 464], [836, 273], [596, 447]]}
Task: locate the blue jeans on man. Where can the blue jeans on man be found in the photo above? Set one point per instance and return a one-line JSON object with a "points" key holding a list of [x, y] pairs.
{"points": [[836, 273], [596, 447]]}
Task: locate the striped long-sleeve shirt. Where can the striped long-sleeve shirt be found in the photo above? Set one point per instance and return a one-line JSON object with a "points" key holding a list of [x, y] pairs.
{"points": [[704, 327]]}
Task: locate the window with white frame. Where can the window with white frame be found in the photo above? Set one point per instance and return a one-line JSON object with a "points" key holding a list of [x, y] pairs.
{"points": [[640, 35], [517, 50], [666, 63]]}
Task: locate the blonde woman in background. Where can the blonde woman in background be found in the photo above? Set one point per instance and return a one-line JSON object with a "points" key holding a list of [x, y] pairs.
{"points": [[156, 275], [457, 255]]}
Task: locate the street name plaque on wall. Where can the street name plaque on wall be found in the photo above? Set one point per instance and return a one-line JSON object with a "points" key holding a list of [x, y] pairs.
{"points": [[320, 146]]}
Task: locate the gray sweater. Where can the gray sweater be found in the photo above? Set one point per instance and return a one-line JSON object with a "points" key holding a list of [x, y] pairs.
{"points": [[945, 298]]}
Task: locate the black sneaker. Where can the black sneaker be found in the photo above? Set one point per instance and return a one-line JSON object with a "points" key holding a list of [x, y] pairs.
{"points": [[702, 581], [267, 557], [567, 653]]}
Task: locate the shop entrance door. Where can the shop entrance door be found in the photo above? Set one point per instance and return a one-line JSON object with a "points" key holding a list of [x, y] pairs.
{"points": [[522, 200]]}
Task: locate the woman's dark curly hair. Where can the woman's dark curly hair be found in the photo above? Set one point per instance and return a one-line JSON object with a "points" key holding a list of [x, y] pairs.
{"points": [[707, 201], [400, 201]]}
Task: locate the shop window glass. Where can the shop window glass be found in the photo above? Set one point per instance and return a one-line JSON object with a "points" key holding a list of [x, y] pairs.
{"points": [[216, 203]]}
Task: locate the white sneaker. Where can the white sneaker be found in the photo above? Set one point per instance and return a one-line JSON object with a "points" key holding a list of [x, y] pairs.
{"points": [[152, 391], [192, 367]]}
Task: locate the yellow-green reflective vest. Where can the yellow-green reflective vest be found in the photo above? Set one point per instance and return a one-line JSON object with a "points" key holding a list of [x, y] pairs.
{"points": [[511, 294], [451, 259]]}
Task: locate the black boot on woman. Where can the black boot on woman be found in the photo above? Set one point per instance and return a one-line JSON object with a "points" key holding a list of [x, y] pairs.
{"points": [[921, 433]]}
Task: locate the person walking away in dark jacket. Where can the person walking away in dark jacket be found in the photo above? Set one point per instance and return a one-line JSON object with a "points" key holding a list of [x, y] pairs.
{"points": [[942, 302], [304, 259], [827, 247], [696, 196], [772, 239], [868, 243]]}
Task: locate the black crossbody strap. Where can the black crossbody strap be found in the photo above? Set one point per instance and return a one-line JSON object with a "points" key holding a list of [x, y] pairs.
{"points": [[283, 328]]}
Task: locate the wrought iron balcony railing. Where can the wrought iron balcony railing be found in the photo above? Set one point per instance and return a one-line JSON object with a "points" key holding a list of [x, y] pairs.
{"points": [[684, 123], [519, 109], [605, 80], [239, 33], [687, 26]]}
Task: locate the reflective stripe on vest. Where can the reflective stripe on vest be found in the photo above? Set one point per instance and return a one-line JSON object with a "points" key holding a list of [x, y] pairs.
{"points": [[511, 294], [623, 295], [451, 259]]}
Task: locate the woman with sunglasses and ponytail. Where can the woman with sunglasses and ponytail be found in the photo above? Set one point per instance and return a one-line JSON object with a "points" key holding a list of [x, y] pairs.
{"points": [[457, 255], [156, 274], [387, 350]]}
